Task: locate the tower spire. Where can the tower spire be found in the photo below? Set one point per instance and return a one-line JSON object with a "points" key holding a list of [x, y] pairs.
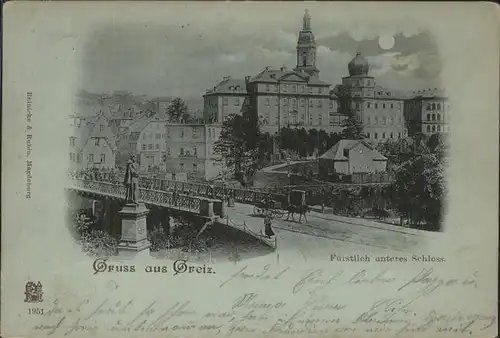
{"points": [[306, 47], [306, 21]]}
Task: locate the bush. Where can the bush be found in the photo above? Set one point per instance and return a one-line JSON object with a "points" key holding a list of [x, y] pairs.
{"points": [[99, 243], [94, 242], [160, 239], [83, 223]]}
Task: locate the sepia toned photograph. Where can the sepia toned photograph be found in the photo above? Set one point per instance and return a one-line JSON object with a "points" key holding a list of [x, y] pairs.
{"points": [[278, 134]]}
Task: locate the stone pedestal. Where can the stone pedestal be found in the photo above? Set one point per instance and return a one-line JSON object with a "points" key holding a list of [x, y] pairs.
{"points": [[207, 208], [134, 241]]}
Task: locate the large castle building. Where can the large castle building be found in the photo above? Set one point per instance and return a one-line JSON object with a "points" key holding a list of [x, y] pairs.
{"points": [[280, 97], [427, 112], [379, 109]]}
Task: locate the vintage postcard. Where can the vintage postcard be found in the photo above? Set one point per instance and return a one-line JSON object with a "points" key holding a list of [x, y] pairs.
{"points": [[268, 169]]}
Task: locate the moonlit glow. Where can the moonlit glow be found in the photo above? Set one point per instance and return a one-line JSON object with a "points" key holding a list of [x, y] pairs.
{"points": [[386, 41]]}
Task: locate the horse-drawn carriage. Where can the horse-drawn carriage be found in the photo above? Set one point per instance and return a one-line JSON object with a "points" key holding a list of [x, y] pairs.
{"points": [[268, 208], [295, 204]]}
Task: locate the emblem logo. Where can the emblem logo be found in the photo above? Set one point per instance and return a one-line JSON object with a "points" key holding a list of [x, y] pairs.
{"points": [[33, 292]]}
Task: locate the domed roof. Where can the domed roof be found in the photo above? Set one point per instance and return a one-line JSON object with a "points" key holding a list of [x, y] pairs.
{"points": [[358, 66]]}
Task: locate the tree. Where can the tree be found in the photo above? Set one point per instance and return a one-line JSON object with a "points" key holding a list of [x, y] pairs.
{"points": [[438, 144], [419, 189], [353, 128], [177, 109], [243, 147], [187, 118]]}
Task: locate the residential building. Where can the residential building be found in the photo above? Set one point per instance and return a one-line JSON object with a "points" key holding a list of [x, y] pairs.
{"points": [[92, 143], [427, 112], [186, 149], [349, 157], [148, 140], [379, 109], [225, 99], [214, 163]]}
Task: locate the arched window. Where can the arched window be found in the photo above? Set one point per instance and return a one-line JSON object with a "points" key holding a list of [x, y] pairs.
{"points": [[368, 104], [429, 106], [433, 106], [433, 117], [428, 129], [428, 117], [433, 128], [439, 117], [376, 135], [439, 128], [439, 106]]}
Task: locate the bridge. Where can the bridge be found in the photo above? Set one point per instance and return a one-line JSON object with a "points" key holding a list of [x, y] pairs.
{"points": [[198, 205], [203, 203]]}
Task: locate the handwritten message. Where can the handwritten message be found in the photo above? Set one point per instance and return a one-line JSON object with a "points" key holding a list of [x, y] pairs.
{"points": [[309, 308]]}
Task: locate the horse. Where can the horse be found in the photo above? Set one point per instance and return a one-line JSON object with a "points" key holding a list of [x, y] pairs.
{"points": [[298, 209]]}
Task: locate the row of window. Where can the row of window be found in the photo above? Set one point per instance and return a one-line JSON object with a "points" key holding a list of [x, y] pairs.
{"points": [[237, 101], [357, 105], [194, 167], [433, 117], [368, 82], [434, 106], [383, 135], [293, 88], [211, 132], [90, 158], [97, 141], [182, 151], [292, 118], [383, 120], [434, 128], [158, 136], [151, 136], [150, 146], [294, 102]]}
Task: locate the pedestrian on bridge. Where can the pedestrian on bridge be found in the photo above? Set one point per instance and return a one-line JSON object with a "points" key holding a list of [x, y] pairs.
{"points": [[268, 230]]}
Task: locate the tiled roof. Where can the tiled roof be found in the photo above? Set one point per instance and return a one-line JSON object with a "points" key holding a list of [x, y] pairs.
{"points": [[275, 75], [138, 125], [229, 85], [337, 151], [89, 128], [429, 93]]}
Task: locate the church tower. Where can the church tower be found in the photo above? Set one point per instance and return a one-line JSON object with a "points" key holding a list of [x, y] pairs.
{"points": [[306, 48]]}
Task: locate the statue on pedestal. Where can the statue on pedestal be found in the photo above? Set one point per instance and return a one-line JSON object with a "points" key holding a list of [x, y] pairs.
{"points": [[131, 181]]}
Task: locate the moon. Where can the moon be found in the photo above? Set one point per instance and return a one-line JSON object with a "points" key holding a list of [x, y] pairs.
{"points": [[386, 41]]}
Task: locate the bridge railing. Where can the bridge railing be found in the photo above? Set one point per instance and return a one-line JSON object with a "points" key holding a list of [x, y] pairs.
{"points": [[175, 200], [248, 196]]}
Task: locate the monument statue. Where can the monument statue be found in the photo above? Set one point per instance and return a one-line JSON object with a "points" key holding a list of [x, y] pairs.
{"points": [[131, 181]]}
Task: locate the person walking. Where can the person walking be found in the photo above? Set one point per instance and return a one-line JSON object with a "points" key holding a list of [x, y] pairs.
{"points": [[268, 230]]}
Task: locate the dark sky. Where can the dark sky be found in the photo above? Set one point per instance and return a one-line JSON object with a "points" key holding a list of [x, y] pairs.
{"points": [[183, 59]]}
